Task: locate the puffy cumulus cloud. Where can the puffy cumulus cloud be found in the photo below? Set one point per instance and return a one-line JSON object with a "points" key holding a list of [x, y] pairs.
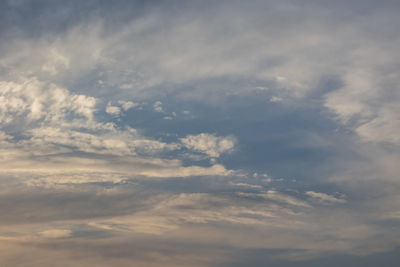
{"points": [[127, 105], [122, 105], [59, 126], [112, 110], [209, 144], [50, 116], [33, 100], [157, 106]]}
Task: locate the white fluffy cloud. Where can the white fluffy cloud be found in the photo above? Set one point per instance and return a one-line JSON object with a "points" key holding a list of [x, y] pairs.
{"points": [[157, 106], [112, 110], [116, 110], [55, 122], [209, 144], [33, 100], [127, 105]]}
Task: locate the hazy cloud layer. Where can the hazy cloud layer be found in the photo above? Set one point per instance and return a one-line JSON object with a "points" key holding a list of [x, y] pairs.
{"points": [[153, 133]]}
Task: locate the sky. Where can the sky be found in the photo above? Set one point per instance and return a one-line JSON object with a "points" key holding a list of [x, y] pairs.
{"points": [[199, 133]]}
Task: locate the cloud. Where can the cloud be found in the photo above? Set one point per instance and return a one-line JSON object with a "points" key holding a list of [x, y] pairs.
{"points": [[56, 233], [127, 212], [384, 128], [158, 107], [209, 144], [277, 197], [59, 126], [33, 100], [113, 110], [325, 198], [127, 105], [252, 186], [83, 157], [214, 170], [367, 100], [123, 105]]}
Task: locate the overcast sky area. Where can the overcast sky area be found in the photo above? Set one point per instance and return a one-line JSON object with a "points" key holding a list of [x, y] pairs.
{"points": [[200, 133]]}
